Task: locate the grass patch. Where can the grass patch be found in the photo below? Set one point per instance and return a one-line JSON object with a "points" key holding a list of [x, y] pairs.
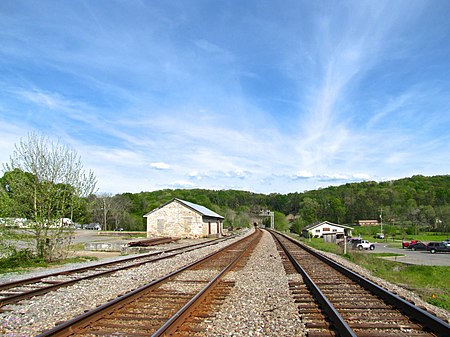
{"points": [[77, 246], [429, 282], [323, 246], [24, 260]]}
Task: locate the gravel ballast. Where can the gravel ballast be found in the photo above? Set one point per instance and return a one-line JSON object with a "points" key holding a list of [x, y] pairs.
{"points": [[40, 313], [260, 303]]}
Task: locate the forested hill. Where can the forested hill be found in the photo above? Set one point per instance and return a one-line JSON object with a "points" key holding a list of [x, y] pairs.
{"points": [[416, 200]]}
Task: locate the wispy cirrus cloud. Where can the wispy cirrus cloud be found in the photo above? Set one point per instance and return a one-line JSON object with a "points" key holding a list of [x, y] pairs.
{"points": [[195, 97]]}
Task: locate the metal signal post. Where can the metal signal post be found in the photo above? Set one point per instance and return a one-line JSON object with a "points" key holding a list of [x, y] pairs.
{"points": [[267, 213]]}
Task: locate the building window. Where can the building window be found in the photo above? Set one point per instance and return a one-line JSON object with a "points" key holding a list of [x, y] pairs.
{"points": [[334, 230], [160, 225], [326, 229], [317, 230], [187, 221]]}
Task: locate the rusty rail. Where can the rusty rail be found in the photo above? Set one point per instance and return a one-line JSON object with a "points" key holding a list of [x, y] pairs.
{"points": [[44, 284], [87, 323], [428, 324]]}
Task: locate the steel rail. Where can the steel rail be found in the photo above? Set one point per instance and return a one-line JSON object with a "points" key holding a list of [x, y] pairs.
{"points": [[171, 325], [431, 322], [40, 291], [30, 280], [67, 328], [334, 316]]}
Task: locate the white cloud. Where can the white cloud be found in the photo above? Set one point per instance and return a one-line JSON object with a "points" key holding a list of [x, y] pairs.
{"points": [[303, 175], [304, 103], [179, 184], [208, 46], [50, 101], [160, 165]]}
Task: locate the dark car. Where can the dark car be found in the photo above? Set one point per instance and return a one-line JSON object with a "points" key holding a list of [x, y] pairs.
{"points": [[436, 247], [418, 246], [93, 226], [354, 241]]}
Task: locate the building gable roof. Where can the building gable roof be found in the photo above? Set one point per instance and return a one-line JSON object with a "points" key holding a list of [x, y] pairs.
{"points": [[197, 208], [200, 209], [317, 224]]}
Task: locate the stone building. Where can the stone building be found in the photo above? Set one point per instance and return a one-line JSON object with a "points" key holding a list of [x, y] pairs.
{"points": [[183, 219]]}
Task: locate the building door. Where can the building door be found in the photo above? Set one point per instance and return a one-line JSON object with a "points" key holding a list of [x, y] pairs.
{"points": [[209, 228], [187, 221], [160, 226]]}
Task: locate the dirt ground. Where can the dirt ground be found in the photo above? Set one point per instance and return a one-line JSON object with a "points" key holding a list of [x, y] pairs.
{"points": [[86, 236]]}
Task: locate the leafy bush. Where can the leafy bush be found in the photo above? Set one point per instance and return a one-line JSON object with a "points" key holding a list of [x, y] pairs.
{"points": [[20, 259]]}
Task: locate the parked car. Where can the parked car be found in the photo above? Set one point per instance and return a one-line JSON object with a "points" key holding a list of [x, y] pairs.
{"points": [[364, 244], [418, 246], [436, 247], [447, 242], [405, 244], [353, 241], [93, 226], [379, 236], [118, 229]]}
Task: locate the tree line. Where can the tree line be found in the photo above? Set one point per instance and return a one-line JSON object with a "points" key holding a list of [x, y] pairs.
{"points": [[45, 182], [415, 203]]}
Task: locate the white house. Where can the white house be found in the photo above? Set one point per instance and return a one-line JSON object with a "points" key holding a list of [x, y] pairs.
{"points": [[180, 218], [318, 230]]}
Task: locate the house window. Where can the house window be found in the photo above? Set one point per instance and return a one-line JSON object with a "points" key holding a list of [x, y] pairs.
{"points": [[326, 229], [334, 230], [317, 230]]}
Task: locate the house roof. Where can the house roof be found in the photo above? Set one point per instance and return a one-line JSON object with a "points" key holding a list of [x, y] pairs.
{"points": [[197, 208], [317, 224]]}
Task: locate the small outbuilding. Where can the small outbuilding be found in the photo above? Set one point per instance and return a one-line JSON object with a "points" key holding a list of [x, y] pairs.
{"points": [[318, 230], [183, 219], [364, 223]]}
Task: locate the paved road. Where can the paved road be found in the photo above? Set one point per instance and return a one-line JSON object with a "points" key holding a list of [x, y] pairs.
{"points": [[417, 257]]}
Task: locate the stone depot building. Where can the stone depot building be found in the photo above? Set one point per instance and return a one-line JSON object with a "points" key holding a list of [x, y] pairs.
{"points": [[183, 219]]}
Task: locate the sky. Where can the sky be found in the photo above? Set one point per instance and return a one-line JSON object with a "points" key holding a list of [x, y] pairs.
{"points": [[263, 96]]}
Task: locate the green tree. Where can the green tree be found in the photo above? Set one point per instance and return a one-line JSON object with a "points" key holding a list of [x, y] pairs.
{"points": [[45, 181], [280, 222], [309, 208], [120, 207]]}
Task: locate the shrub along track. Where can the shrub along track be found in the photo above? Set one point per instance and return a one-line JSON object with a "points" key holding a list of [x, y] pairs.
{"points": [[13, 292], [173, 304], [334, 301]]}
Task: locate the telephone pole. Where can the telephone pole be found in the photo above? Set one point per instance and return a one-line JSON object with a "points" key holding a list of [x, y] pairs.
{"points": [[381, 220]]}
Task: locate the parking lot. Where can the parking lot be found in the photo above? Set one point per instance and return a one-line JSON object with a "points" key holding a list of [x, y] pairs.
{"points": [[411, 257]]}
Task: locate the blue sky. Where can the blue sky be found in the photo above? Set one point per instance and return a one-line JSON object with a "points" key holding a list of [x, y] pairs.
{"points": [[264, 96]]}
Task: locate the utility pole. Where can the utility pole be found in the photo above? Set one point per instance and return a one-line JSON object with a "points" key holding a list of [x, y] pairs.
{"points": [[381, 220], [104, 214]]}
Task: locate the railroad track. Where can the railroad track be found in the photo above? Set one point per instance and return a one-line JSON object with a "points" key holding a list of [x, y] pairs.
{"points": [[334, 301], [13, 292], [175, 304]]}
